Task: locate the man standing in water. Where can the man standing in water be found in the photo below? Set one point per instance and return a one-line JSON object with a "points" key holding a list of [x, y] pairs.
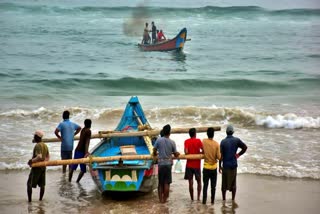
{"points": [[165, 147], [82, 150], [229, 156], [68, 130], [193, 145], [211, 150], [37, 175]]}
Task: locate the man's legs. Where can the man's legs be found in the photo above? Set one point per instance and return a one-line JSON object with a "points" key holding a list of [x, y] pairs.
{"points": [[29, 190], [80, 176], [166, 189], [199, 187], [234, 193], [213, 183], [42, 189], [191, 188], [205, 186]]}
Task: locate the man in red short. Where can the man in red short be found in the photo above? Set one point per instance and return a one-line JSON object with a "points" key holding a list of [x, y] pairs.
{"points": [[193, 145]]}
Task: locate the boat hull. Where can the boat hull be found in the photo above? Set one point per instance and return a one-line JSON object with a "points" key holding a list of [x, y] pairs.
{"points": [[175, 44], [126, 175]]}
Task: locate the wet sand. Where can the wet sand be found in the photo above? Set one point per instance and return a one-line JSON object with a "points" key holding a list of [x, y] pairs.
{"points": [[256, 194]]}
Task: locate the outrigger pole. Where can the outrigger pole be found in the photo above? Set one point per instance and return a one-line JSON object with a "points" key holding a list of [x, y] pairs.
{"points": [[152, 132], [111, 158], [109, 134]]}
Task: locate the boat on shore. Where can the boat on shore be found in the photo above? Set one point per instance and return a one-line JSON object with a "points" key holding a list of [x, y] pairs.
{"points": [[126, 175], [175, 44]]}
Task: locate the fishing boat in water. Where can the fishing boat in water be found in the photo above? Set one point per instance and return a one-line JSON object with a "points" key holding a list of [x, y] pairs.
{"points": [[175, 44], [126, 175]]}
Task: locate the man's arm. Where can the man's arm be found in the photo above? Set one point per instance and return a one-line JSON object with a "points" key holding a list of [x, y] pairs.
{"points": [[243, 147], [56, 132], [77, 131], [87, 145]]}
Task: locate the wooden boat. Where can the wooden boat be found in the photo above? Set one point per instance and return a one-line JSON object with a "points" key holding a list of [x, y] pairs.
{"points": [[126, 175], [176, 43]]}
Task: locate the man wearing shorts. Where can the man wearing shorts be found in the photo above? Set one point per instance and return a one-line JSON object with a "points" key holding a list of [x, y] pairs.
{"points": [[37, 175], [229, 156], [82, 150], [193, 145], [165, 147], [68, 130]]}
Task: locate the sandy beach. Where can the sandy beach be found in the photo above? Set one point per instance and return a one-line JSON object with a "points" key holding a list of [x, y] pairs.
{"points": [[256, 194]]}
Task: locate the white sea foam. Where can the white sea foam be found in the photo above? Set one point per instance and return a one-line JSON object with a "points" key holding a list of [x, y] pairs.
{"points": [[288, 121]]}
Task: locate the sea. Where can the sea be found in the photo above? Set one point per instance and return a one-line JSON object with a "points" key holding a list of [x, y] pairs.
{"points": [[252, 64]]}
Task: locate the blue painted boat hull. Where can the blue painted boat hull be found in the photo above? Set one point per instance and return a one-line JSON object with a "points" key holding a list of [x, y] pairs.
{"points": [[129, 175]]}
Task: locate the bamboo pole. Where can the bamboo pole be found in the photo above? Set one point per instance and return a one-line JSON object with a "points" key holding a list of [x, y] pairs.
{"points": [[154, 132], [111, 158]]}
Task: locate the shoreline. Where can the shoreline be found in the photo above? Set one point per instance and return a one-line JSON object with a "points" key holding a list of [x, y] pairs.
{"points": [[255, 194]]}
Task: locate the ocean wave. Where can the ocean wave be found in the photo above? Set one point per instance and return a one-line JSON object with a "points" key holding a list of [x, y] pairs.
{"points": [[140, 86], [245, 117], [144, 12]]}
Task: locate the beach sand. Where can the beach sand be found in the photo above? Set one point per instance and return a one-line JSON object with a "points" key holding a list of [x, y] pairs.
{"points": [[256, 194]]}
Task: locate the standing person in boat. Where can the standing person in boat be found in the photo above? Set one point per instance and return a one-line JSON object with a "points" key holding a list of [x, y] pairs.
{"points": [[164, 147], [211, 150], [82, 150], [154, 32], [193, 145], [146, 37], [68, 130], [161, 36], [229, 156], [37, 175]]}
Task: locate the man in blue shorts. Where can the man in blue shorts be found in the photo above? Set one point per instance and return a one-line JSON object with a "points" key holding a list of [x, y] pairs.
{"points": [[68, 130], [165, 148], [82, 150]]}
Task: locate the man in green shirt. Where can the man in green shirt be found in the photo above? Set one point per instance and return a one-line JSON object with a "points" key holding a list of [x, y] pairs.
{"points": [[37, 175]]}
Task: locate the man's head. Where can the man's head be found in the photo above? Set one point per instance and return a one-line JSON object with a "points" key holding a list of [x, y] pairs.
{"points": [[87, 123], [192, 132], [166, 130], [210, 132], [229, 130], [152, 23], [147, 24], [66, 115], [37, 137]]}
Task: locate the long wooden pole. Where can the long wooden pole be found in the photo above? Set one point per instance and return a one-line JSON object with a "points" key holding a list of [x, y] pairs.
{"points": [[111, 158], [154, 132]]}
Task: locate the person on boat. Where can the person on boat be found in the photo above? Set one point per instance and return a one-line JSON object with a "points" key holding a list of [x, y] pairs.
{"points": [[161, 36], [229, 156], [154, 32], [82, 150], [164, 147], [211, 150], [37, 175], [193, 145], [146, 37], [68, 130]]}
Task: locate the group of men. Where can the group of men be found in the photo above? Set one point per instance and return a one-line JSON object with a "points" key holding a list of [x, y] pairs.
{"points": [[164, 147], [65, 132], [157, 36], [225, 153]]}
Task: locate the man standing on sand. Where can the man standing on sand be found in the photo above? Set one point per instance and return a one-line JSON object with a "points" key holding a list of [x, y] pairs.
{"points": [[82, 150], [211, 150], [68, 130], [193, 145], [229, 156], [165, 147], [37, 175]]}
